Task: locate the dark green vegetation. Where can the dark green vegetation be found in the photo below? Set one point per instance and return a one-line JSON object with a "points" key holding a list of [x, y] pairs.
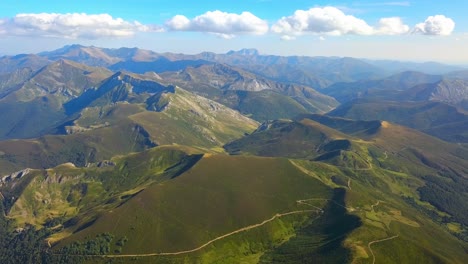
{"points": [[438, 119], [320, 240], [144, 167]]}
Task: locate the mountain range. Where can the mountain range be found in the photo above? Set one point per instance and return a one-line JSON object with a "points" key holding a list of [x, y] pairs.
{"points": [[129, 155]]}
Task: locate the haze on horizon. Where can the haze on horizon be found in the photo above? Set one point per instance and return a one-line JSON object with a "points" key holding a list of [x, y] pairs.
{"points": [[397, 30]]}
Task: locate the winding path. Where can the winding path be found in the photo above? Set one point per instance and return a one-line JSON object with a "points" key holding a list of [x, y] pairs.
{"points": [[378, 241], [276, 216], [316, 209], [376, 204]]}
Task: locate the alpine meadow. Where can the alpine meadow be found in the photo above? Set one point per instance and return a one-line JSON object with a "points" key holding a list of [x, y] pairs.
{"points": [[260, 132]]}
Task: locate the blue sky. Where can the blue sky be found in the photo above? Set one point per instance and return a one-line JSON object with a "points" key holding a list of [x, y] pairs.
{"points": [[406, 30]]}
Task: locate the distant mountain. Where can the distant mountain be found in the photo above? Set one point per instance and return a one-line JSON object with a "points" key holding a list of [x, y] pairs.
{"points": [[92, 56], [95, 56], [10, 64], [447, 91], [435, 118], [64, 79], [425, 67], [163, 161], [158, 65], [12, 81], [317, 72], [249, 93], [161, 109], [462, 75], [121, 86], [125, 113], [382, 88], [34, 104]]}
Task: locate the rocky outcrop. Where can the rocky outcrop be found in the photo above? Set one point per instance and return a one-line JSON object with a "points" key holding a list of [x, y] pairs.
{"points": [[101, 164], [16, 175]]}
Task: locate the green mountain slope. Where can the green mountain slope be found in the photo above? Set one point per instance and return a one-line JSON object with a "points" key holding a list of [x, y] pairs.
{"points": [[434, 118], [34, 106], [382, 153], [79, 148], [382, 88], [210, 200], [126, 113], [197, 120], [170, 168], [228, 209], [249, 93]]}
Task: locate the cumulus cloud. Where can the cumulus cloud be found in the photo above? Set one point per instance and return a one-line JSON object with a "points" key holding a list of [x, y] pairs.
{"points": [[223, 24], [333, 21], [327, 20], [72, 25], [435, 25], [391, 26]]}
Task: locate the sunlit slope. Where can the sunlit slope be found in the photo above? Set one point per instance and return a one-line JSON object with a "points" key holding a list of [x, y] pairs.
{"points": [[435, 118], [415, 175], [137, 121], [217, 196], [187, 119], [69, 196], [78, 148]]}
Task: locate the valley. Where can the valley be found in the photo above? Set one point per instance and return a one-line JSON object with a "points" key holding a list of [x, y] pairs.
{"points": [[131, 156]]}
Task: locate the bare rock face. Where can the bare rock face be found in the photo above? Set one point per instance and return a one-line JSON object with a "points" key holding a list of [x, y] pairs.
{"points": [[448, 91], [453, 91], [14, 176]]}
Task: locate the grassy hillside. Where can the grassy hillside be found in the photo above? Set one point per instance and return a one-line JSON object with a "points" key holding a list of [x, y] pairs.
{"points": [[225, 209], [79, 149], [180, 117], [434, 118], [213, 198], [170, 167], [385, 156], [249, 93], [32, 107], [284, 138]]}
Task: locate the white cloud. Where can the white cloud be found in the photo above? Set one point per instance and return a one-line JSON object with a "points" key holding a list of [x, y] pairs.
{"points": [[327, 20], [286, 37], [439, 25], [391, 26], [333, 21], [223, 24], [72, 25], [178, 22]]}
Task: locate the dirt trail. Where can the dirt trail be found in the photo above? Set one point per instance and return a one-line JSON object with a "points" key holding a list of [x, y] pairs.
{"points": [[376, 204], [316, 209], [378, 241]]}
